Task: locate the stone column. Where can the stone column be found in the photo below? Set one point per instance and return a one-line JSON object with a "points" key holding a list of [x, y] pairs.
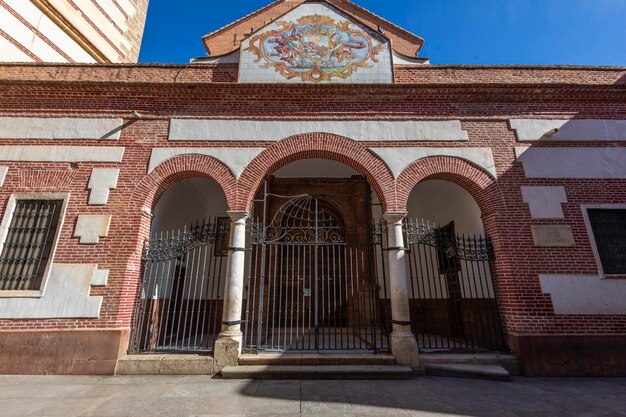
{"points": [[403, 344], [228, 343]]}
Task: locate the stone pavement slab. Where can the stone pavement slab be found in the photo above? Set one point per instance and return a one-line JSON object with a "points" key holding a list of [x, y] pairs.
{"points": [[203, 396]]}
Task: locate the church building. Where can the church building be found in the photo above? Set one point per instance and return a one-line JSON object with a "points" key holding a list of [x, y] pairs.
{"points": [[311, 191]]}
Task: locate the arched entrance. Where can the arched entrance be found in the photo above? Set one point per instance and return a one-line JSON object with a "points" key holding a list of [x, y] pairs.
{"points": [[312, 282], [452, 296], [183, 270]]}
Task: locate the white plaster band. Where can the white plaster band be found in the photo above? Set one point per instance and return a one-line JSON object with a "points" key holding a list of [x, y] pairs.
{"points": [[61, 154], [398, 159], [90, 228], [584, 294], [59, 128], [594, 163], [101, 181], [569, 130], [544, 201], [274, 130], [236, 159], [66, 295]]}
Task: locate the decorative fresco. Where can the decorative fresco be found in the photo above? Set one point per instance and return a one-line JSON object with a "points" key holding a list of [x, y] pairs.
{"points": [[315, 48]]}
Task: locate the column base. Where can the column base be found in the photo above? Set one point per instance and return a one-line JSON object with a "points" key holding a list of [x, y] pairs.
{"points": [[227, 350], [404, 349]]}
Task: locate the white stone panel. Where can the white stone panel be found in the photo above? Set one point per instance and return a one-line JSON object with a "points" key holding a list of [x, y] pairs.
{"points": [[569, 130], [66, 295], [545, 202], [3, 174], [114, 13], [34, 16], [273, 130], [101, 181], [11, 53], [375, 69], [90, 228], [398, 159], [27, 38], [61, 154], [59, 128], [127, 6], [595, 163], [236, 159], [76, 18], [100, 278], [585, 294]]}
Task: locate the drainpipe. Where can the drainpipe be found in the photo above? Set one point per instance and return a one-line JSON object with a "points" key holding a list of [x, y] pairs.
{"points": [[403, 343]]}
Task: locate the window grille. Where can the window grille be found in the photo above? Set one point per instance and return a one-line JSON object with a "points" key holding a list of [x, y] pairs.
{"points": [[28, 245], [609, 230]]}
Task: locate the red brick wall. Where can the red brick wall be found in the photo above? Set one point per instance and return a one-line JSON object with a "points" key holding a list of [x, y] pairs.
{"points": [[163, 92]]}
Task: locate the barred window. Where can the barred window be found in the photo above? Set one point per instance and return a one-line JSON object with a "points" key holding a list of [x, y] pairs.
{"points": [[609, 230], [28, 244]]}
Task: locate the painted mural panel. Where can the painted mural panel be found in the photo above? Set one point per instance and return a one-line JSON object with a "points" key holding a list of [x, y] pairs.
{"points": [[314, 43]]}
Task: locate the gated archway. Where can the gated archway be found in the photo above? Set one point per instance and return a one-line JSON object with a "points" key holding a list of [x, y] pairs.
{"points": [[309, 287]]}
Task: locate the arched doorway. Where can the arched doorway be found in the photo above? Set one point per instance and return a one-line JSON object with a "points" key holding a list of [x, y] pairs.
{"points": [[312, 282], [452, 296], [183, 268]]}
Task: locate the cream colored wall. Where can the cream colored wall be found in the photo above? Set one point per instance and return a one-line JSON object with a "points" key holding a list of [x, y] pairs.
{"points": [[186, 202], [442, 202], [113, 27]]}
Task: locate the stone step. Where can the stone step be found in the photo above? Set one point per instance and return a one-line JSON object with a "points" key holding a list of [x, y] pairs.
{"points": [[165, 364], [313, 359], [489, 372], [347, 372], [507, 361]]}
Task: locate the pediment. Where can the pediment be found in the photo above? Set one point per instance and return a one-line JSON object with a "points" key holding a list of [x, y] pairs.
{"points": [[229, 38]]}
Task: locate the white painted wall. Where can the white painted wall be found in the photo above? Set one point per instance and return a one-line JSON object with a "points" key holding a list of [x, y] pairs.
{"points": [[569, 130], [442, 202], [585, 294], [596, 163], [187, 201], [274, 130]]}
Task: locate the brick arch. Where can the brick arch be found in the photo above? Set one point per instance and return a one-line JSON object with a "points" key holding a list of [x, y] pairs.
{"points": [[144, 197], [152, 187], [317, 146], [475, 180]]}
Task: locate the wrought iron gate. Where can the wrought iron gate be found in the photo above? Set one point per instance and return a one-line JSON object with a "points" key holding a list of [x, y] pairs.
{"points": [[308, 288], [180, 302], [452, 296]]}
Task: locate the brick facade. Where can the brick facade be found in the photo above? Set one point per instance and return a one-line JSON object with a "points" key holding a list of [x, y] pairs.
{"points": [[483, 99]]}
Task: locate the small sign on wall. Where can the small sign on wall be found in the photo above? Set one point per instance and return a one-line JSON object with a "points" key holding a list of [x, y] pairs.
{"points": [[553, 236]]}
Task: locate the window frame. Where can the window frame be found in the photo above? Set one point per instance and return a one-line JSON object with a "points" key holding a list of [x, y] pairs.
{"points": [[4, 232], [592, 237]]}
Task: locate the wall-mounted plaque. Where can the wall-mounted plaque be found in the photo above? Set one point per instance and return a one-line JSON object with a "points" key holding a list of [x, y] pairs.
{"points": [[553, 236]]}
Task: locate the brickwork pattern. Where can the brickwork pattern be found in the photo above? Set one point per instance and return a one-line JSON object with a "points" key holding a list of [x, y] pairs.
{"points": [[163, 92]]}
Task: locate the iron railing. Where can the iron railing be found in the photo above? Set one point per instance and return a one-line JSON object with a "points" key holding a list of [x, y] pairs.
{"points": [[180, 302]]}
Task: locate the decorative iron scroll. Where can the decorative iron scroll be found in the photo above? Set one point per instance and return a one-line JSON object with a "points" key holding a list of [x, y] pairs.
{"points": [[469, 248], [302, 219], [174, 246]]}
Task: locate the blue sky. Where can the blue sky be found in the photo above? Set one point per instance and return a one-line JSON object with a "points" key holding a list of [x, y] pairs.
{"points": [[577, 32]]}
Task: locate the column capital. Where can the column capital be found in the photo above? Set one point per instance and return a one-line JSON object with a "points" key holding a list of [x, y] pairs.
{"points": [[237, 216], [395, 217]]}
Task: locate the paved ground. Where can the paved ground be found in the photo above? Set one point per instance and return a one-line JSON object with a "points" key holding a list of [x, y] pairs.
{"points": [[201, 396]]}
